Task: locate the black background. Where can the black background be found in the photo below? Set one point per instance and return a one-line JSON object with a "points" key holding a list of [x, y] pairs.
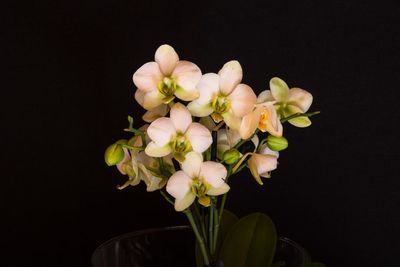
{"points": [[67, 90]]}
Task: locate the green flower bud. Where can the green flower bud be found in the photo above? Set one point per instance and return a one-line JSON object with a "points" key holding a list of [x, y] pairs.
{"points": [[231, 156], [277, 143], [114, 153]]}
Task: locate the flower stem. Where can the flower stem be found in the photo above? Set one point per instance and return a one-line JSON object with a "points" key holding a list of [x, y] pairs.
{"points": [[309, 114], [216, 229], [211, 227], [200, 240]]}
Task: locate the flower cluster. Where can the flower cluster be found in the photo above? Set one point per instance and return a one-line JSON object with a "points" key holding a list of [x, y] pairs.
{"points": [[203, 128]]}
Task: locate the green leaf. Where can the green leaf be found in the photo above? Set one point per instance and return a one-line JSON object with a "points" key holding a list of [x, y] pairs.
{"points": [[250, 243], [313, 264], [227, 222]]}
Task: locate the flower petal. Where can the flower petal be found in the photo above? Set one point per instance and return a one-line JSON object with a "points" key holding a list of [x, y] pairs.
{"points": [[161, 131], [192, 164], [179, 184], [155, 113], [265, 150], [265, 163], [199, 137], [180, 117], [187, 75], [208, 88], [126, 158], [242, 100], [200, 110], [230, 76], [270, 121], [184, 203], [139, 96], [300, 98], [218, 191], [146, 78], [186, 95], [231, 120], [300, 122], [250, 123], [167, 58], [214, 173], [153, 150], [265, 96], [152, 99], [279, 89]]}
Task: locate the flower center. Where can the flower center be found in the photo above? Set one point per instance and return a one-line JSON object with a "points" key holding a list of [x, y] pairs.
{"points": [[181, 145], [200, 188], [167, 87], [221, 104], [262, 125]]}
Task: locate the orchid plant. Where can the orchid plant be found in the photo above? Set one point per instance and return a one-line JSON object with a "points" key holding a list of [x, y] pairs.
{"points": [[201, 130]]}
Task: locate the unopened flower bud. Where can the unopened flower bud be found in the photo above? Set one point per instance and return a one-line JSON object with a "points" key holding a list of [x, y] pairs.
{"points": [[277, 143], [231, 156], [114, 153]]}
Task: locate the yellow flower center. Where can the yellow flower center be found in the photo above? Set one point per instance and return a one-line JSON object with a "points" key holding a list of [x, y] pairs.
{"points": [[167, 87], [262, 124], [200, 188], [220, 104], [180, 145]]}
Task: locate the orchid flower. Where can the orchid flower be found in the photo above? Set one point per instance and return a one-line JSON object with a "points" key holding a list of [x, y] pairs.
{"points": [[265, 118], [197, 179], [223, 96], [160, 81], [139, 167], [226, 139], [288, 101], [177, 135], [262, 163]]}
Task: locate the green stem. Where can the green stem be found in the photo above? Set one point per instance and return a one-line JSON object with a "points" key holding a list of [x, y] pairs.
{"points": [[211, 226], [309, 114], [200, 240], [201, 220], [133, 147], [167, 198], [216, 229]]}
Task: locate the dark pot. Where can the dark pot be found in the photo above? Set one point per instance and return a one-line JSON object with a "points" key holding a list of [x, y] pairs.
{"points": [[172, 247]]}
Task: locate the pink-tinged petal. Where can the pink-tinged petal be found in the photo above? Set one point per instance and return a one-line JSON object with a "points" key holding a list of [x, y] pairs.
{"points": [[180, 117], [265, 96], [186, 95], [152, 99], [178, 185], [139, 96], [242, 100], [199, 137], [192, 164], [200, 110], [300, 98], [208, 122], [146, 78], [167, 59], [214, 173], [184, 203], [218, 191], [279, 89], [265, 163], [231, 120], [187, 75], [230, 76], [161, 131], [208, 88], [153, 150], [155, 113], [261, 165], [127, 157], [250, 123], [300, 122]]}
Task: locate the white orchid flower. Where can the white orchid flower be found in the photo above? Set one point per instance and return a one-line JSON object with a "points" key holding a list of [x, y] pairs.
{"points": [[197, 179], [177, 135], [263, 117], [167, 77], [226, 139], [262, 163], [129, 166], [223, 96], [288, 101]]}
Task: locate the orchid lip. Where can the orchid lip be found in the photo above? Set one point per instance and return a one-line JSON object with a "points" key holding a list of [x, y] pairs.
{"points": [[167, 86], [221, 104]]}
